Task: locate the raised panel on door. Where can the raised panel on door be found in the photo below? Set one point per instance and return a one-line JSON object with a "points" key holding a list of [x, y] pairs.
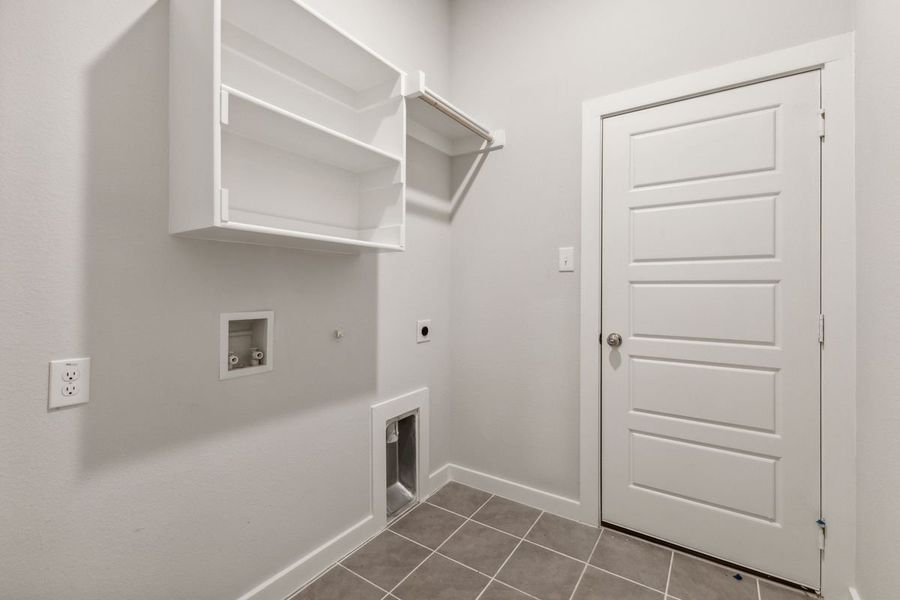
{"points": [[694, 391], [710, 273]]}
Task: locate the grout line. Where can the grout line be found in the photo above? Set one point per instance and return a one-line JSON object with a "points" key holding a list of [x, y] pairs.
{"points": [[578, 560], [351, 571], [643, 585], [400, 535], [403, 515], [514, 589], [313, 580], [523, 539], [584, 570], [493, 578], [533, 543], [453, 512], [451, 559], [758, 590], [669, 576], [438, 552], [510, 556], [433, 552]]}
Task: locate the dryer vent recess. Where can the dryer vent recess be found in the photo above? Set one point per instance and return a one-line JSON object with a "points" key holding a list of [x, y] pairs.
{"points": [[401, 449]]}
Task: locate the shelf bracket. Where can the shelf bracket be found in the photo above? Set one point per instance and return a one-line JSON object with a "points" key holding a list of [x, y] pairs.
{"points": [[488, 140]]}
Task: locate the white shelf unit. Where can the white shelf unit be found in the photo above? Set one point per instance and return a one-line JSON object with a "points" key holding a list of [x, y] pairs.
{"points": [[284, 130], [438, 123]]}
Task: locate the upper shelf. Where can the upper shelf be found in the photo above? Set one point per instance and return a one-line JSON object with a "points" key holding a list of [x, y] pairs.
{"points": [[438, 123], [304, 35], [250, 117], [283, 130]]}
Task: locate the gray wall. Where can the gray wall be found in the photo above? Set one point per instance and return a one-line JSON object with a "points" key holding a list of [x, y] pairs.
{"points": [[526, 66], [878, 266], [170, 483]]}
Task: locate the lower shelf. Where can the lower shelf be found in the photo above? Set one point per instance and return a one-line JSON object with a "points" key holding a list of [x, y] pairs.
{"points": [[244, 233], [273, 197]]}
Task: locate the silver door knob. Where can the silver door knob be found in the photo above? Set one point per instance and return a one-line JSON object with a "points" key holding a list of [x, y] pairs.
{"points": [[614, 340]]}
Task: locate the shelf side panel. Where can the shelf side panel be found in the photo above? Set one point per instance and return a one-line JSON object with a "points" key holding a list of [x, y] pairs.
{"points": [[193, 113]]}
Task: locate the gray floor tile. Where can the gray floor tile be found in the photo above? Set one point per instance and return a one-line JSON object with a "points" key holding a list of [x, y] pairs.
{"points": [[339, 584], [507, 515], [695, 579], [480, 547], [459, 498], [773, 591], [597, 585], [386, 559], [633, 558], [569, 537], [498, 591], [442, 579], [541, 573], [428, 525]]}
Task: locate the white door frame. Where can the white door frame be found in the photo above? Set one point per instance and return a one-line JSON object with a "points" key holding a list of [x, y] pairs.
{"points": [[834, 58]]}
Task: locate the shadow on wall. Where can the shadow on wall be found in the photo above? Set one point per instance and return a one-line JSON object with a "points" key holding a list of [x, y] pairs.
{"points": [[438, 184], [153, 301]]}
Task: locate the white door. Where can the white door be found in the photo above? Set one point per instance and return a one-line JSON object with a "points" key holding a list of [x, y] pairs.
{"points": [[710, 274]]}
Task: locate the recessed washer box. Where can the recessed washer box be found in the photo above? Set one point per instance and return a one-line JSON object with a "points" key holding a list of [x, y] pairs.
{"points": [[246, 343]]}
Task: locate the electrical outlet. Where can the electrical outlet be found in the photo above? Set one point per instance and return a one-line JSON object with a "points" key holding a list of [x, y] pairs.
{"points": [[423, 331], [71, 373], [70, 382]]}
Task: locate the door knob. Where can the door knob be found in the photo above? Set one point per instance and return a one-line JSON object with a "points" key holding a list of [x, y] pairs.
{"points": [[614, 340]]}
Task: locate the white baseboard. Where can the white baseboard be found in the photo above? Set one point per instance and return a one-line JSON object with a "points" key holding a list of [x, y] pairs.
{"points": [[552, 503], [289, 580], [437, 480], [283, 584], [854, 595]]}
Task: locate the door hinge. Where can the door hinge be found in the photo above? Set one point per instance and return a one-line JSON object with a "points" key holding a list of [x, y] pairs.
{"points": [[821, 123], [821, 329], [822, 525]]}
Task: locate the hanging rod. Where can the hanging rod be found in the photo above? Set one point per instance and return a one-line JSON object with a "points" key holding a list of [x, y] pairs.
{"points": [[435, 101]]}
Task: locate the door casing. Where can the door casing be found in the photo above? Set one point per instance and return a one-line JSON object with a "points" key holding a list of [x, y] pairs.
{"points": [[834, 58]]}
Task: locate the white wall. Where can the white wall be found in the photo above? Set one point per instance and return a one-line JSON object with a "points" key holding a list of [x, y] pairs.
{"points": [[526, 66], [878, 276], [171, 484]]}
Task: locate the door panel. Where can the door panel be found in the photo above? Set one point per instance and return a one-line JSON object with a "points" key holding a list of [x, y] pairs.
{"points": [[714, 230], [710, 272], [698, 146], [704, 311], [695, 391], [733, 481]]}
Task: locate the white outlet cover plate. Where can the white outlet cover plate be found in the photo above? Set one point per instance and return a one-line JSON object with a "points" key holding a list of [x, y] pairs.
{"points": [[69, 371], [420, 337]]}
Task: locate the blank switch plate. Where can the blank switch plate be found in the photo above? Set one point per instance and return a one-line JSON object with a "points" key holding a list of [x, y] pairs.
{"points": [[566, 259], [70, 382]]}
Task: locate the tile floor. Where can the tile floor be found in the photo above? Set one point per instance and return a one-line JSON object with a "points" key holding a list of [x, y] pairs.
{"points": [[465, 544]]}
